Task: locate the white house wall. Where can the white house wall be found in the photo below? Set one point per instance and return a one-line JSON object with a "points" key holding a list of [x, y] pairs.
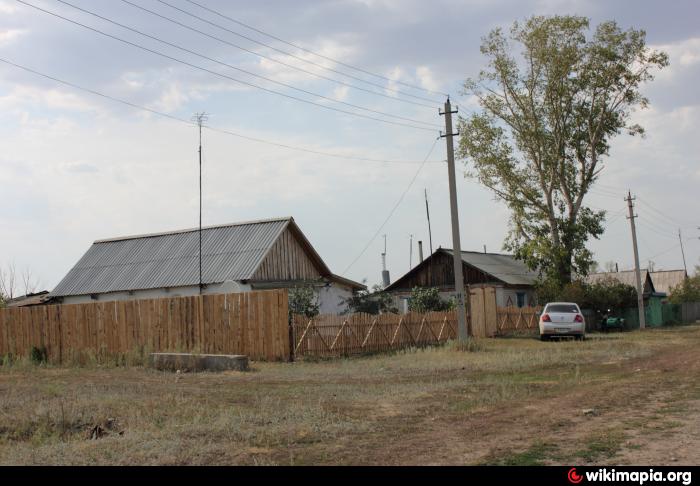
{"points": [[330, 298], [187, 291]]}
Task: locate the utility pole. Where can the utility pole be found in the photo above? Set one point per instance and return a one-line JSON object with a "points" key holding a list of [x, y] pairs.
{"points": [[200, 118], [680, 238], [463, 332], [640, 295]]}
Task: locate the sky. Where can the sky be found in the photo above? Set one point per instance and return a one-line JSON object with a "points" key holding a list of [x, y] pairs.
{"points": [[76, 167]]}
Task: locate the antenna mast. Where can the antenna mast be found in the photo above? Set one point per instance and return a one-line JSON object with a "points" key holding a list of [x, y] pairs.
{"points": [[200, 118]]}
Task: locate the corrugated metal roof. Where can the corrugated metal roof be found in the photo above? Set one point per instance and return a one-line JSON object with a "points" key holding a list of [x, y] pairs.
{"points": [[503, 267], [172, 259], [666, 280], [627, 277]]}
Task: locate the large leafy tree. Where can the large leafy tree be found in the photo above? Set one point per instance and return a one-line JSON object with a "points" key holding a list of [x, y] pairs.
{"points": [[551, 101]]}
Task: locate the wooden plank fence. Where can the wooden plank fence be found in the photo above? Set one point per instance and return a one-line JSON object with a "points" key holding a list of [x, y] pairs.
{"points": [[330, 335], [251, 323], [517, 319]]}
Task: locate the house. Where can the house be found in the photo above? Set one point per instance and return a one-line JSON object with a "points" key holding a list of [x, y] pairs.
{"points": [[513, 281], [666, 280], [237, 257], [627, 277]]}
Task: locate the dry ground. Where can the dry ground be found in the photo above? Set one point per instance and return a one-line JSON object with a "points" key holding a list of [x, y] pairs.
{"points": [[630, 398]]}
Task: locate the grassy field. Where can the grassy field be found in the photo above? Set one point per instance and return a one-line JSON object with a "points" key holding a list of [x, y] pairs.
{"points": [[617, 398]]}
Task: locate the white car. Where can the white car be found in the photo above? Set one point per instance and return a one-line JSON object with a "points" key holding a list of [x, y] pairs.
{"points": [[562, 319]]}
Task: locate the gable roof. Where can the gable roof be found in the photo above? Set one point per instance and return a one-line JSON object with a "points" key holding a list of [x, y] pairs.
{"points": [[665, 280], [501, 267], [627, 277], [505, 268], [171, 259]]}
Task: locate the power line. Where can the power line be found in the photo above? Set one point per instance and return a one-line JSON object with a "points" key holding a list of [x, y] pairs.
{"points": [[393, 209], [296, 46], [220, 130], [253, 85], [664, 215], [250, 73], [272, 59]]}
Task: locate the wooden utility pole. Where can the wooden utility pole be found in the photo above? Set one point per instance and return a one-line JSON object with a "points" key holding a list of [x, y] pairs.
{"points": [[638, 275], [680, 238], [463, 332], [200, 118]]}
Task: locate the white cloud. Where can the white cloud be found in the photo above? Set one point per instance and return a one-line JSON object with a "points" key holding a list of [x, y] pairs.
{"points": [[682, 56], [8, 36], [7, 7], [172, 98], [426, 78]]}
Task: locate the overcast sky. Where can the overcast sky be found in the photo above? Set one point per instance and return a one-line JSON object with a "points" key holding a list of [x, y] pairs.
{"points": [[75, 167]]}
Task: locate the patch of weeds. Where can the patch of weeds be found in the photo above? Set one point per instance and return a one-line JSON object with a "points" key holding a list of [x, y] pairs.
{"points": [[471, 345], [38, 355], [536, 455], [604, 445]]}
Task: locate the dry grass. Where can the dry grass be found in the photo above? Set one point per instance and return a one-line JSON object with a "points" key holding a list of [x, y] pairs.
{"points": [[360, 410]]}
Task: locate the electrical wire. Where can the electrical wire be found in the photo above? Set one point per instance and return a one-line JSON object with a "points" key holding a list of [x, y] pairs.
{"points": [[250, 73], [214, 129], [253, 85], [296, 46], [393, 209], [272, 59]]}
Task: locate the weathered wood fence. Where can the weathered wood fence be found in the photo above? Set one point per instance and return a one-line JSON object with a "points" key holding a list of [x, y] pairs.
{"points": [[517, 319], [251, 323], [329, 335]]}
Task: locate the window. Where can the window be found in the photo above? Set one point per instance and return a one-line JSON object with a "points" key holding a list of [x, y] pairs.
{"points": [[521, 299]]}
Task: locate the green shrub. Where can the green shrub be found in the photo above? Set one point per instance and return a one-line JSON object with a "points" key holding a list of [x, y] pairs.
{"points": [[428, 299], [38, 355]]}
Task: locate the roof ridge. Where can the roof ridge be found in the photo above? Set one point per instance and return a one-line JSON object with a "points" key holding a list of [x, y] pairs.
{"points": [[191, 230]]}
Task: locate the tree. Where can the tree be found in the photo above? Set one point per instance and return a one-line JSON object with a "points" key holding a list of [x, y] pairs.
{"points": [[600, 296], [545, 126], [374, 301], [303, 301], [688, 291], [428, 300], [10, 284]]}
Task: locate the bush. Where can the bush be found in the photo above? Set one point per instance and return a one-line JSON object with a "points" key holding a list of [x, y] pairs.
{"points": [[374, 301], [688, 291], [303, 301], [38, 355], [428, 300], [600, 296]]}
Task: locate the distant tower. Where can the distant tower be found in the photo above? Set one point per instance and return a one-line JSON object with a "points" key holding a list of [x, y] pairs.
{"points": [[385, 273]]}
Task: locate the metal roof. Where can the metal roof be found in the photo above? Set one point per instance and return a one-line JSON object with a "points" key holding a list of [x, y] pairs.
{"points": [[503, 267], [229, 252], [627, 277], [666, 280]]}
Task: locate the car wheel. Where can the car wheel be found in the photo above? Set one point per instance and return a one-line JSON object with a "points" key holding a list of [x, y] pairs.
{"points": [[544, 337]]}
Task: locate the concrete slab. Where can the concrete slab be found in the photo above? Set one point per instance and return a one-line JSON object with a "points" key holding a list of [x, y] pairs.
{"points": [[198, 362]]}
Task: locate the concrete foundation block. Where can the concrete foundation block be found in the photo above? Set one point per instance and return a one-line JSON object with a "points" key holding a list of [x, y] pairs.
{"points": [[198, 362]]}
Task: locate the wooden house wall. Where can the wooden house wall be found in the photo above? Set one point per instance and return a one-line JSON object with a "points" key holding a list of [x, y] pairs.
{"points": [[287, 260], [439, 272]]}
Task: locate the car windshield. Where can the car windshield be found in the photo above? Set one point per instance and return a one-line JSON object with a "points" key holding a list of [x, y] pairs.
{"points": [[563, 308]]}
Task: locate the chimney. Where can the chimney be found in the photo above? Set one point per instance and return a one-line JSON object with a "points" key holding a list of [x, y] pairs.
{"points": [[386, 281], [420, 251]]}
